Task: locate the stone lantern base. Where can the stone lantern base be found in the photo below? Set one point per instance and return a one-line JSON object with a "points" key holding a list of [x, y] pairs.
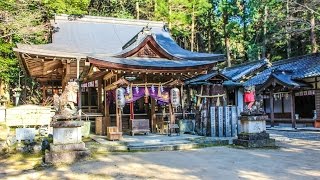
{"points": [[67, 146], [253, 132]]}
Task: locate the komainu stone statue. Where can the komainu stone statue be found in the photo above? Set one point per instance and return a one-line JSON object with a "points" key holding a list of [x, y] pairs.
{"points": [[64, 104], [254, 102]]}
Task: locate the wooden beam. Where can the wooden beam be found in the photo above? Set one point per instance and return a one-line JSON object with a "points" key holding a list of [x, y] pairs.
{"points": [[108, 76], [51, 66]]}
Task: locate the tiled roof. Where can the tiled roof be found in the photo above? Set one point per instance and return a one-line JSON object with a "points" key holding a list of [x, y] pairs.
{"points": [[104, 36], [301, 67], [285, 78], [201, 78], [235, 73]]}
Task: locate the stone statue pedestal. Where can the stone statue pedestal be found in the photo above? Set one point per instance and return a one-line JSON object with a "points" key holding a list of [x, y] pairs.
{"points": [[67, 146], [253, 132]]}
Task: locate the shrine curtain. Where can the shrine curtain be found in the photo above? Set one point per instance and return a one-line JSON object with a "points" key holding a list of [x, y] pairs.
{"points": [[161, 97]]}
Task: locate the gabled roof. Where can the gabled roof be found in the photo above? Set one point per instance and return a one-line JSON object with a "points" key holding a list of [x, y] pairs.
{"points": [[234, 73], [103, 36], [237, 72], [301, 67], [110, 42], [89, 35], [163, 41], [283, 78]]}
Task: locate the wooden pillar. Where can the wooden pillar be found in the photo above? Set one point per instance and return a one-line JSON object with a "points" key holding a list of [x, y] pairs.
{"points": [[182, 103], [205, 110], [79, 98], [99, 94], [106, 106], [120, 119], [271, 108], [293, 109], [132, 110], [24, 89], [66, 75], [153, 115], [317, 104], [172, 116], [89, 98]]}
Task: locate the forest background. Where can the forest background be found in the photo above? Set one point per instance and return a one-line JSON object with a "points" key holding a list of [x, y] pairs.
{"points": [[243, 30]]}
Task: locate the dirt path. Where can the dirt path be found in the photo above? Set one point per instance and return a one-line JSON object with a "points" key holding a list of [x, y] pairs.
{"points": [[298, 158]]}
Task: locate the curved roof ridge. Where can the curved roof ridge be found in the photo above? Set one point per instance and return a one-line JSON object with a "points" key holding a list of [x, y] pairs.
{"points": [[111, 20]]}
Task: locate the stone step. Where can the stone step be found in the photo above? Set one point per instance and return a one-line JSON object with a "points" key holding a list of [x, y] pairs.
{"points": [[168, 147], [255, 143]]}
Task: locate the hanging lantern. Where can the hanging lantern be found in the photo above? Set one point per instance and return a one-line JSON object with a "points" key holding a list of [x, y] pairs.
{"points": [[137, 90], [175, 97], [121, 101], [286, 95], [128, 89], [153, 90]]}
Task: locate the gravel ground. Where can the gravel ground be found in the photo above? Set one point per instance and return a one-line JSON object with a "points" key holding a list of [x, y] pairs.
{"points": [[297, 158], [295, 135]]}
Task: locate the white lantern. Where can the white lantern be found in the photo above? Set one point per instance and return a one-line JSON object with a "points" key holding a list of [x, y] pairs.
{"points": [[121, 101], [175, 97]]}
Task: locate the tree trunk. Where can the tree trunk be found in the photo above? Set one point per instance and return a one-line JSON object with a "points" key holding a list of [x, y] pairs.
{"points": [[288, 28], [244, 20], [192, 28], [137, 10], [312, 34], [169, 15], [226, 36], [264, 48]]}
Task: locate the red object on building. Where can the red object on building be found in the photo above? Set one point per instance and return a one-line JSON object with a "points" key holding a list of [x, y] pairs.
{"points": [[249, 97]]}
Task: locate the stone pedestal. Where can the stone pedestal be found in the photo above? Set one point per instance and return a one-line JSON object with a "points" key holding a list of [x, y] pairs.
{"points": [[253, 124], [253, 132], [67, 146]]}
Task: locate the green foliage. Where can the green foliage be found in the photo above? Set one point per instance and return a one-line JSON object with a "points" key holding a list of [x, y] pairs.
{"points": [[74, 7]]}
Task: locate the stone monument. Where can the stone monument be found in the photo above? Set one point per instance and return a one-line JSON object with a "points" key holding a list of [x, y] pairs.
{"points": [[67, 146], [253, 126]]}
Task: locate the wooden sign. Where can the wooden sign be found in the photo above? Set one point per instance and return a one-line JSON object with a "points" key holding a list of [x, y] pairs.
{"points": [[25, 134]]}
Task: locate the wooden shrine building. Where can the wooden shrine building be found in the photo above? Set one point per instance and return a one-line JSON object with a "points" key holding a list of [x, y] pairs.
{"points": [[104, 54], [291, 90], [226, 83]]}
